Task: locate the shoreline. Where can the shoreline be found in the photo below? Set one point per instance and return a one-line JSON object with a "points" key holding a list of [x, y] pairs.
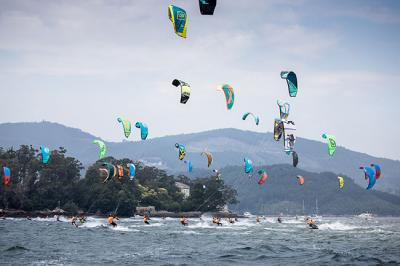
{"points": [[11, 213]]}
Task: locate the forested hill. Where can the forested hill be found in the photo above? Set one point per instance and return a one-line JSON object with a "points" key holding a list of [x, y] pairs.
{"points": [[229, 147], [281, 193]]}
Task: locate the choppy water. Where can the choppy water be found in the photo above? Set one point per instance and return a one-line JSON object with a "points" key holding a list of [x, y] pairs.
{"points": [[339, 240]]}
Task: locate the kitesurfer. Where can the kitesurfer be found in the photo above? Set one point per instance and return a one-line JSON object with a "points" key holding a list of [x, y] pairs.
{"points": [[146, 219], [184, 221], [217, 221], [312, 223], [111, 220], [258, 219], [279, 220], [73, 221]]}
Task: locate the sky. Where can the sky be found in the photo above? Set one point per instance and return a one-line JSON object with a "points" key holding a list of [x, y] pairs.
{"points": [[85, 63]]}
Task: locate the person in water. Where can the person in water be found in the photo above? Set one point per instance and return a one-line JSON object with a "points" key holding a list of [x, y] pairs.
{"points": [[231, 220], [111, 220], [73, 221], [217, 221], [29, 218], [258, 219], [184, 221], [146, 219], [279, 220], [311, 222]]}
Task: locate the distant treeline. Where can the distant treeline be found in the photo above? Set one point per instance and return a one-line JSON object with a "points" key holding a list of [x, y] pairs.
{"points": [[37, 186]]}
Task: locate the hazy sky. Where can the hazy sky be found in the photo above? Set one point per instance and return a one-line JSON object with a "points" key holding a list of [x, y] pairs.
{"points": [[84, 63]]}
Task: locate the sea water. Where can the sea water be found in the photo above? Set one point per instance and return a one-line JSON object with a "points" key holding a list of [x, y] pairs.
{"points": [[339, 240]]}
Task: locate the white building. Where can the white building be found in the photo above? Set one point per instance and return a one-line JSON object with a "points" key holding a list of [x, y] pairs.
{"points": [[185, 189]]}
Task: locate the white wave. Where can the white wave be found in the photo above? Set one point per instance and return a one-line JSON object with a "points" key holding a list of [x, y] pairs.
{"points": [[336, 226]]}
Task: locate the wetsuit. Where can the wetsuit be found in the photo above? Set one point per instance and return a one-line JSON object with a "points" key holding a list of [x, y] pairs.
{"points": [[111, 221]]}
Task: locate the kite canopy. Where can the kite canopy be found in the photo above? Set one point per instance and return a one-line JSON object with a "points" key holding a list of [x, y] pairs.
{"points": [[185, 89], [102, 148], [144, 130], [256, 118], [341, 182], [300, 179], [209, 157], [120, 171], [369, 174], [331, 141], [377, 170], [189, 165], [229, 95], [248, 166], [207, 6], [111, 169], [126, 125], [45, 154], [284, 108], [263, 177], [278, 129], [6, 176], [291, 80], [178, 18], [132, 170], [295, 158], [181, 150], [289, 138]]}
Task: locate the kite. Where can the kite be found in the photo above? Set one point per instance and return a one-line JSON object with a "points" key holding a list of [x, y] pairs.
{"points": [[295, 158], [256, 118], [369, 174], [189, 165], [289, 138], [341, 182], [179, 20], [284, 108], [207, 6], [278, 129], [229, 95], [120, 171], [144, 130], [300, 179], [6, 176], [102, 148], [132, 170], [209, 157], [263, 177], [377, 170], [331, 141], [181, 149], [248, 166], [185, 89], [111, 169], [291, 80], [45, 154], [126, 125]]}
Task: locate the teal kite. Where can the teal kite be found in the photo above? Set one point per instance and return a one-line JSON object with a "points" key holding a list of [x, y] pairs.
{"points": [[284, 108], [179, 20], [45, 154], [256, 118], [291, 80], [248, 166], [144, 130], [229, 95]]}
